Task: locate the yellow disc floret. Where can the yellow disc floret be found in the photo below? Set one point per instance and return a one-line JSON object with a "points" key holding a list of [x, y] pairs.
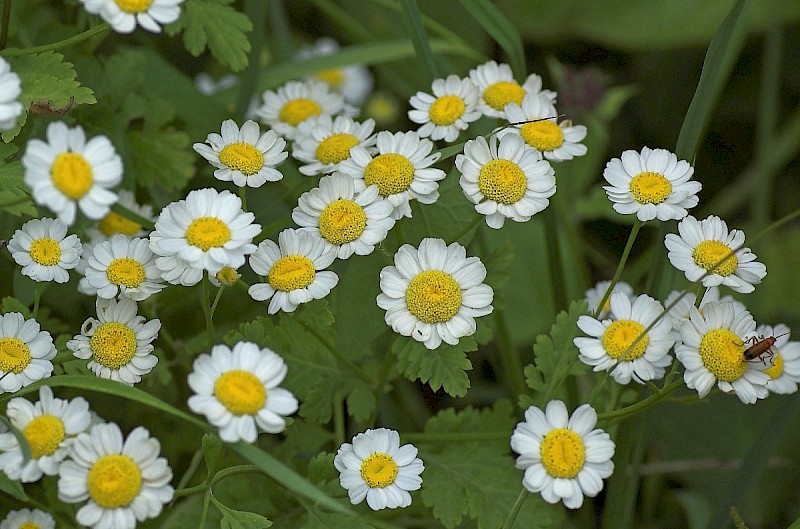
{"points": [[44, 433], [14, 355], [298, 110], [433, 296], [391, 172], [114, 223], [71, 174], [114, 481], [446, 110], [126, 272], [563, 453], [650, 188], [241, 392], [342, 221], [620, 335], [333, 77], [722, 353], [291, 272], [242, 157], [776, 369], [544, 135], [113, 344], [207, 233], [379, 470], [501, 93], [502, 181], [709, 253], [46, 252], [335, 148]]}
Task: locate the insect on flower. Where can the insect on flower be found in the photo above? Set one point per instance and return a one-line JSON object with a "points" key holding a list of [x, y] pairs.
{"points": [[518, 123], [761, 348]]}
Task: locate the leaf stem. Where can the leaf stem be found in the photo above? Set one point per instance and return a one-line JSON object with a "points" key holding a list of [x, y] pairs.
{"points": [[512, 515], [80, 37], [4, 29], [637, 225], [633, 409]]}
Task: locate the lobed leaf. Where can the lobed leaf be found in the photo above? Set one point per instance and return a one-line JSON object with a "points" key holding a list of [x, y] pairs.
{"points": [[215, 25], [444, 367]]}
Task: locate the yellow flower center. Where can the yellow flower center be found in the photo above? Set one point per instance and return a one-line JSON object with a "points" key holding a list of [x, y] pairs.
{"points": [[563, 453], [207, 233], [709, 253], [433, 296], [379, 470], [542, 135], [391, 172], [342, 221], [126, 272], [242, 157], [114, 481], [291, 272], [134, 6], [336, 148], [501, 93], [298, 110], [71, 174], [502, 181], [44, 433], [114, 223], [241, 392], [620, 335], [650, 188], [333, 77], [46, 252], [776, 369], [722, 353], [227, 276], [14, 355], [113, 344], [30, 525], [446, 110]]}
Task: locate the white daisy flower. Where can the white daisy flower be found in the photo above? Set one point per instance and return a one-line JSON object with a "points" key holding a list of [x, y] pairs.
{"points": [[10, 89], [205, 231], [118, 342], [243, 156], [498, 88], [447, 112], [295, 102], [353, 81], [237, 390], [28, 519], [348, 221], [509, 180], [535, 121], [124, 15], [208, 86], [49, 427], [121, 480], [114, 223], [564, 458], [294, 269], [377, 468], [25, 352], [434, 293], [68, 172], [609, 340], [712, 351], [701, 246], [324, 142], [681, 310], [401, 169], [652, 184], [44, 250], [593, 296], [781, 361], [121, 266]]}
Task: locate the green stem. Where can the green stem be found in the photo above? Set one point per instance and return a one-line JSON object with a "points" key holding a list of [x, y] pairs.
{"points": [[338, 419], [206, 302], [194, 465], [243, 196], [143, 222], [512, 515], [256, 11], [335, 352], [557, 283], [633, 409], [466, 229], [453, 437], [377, 389], [4, 29], [37, 297], [80, 37], [637, 225]]}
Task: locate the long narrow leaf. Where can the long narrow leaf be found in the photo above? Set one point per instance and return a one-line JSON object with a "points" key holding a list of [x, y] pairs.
{"points": [[501, 29], [416, 31]]}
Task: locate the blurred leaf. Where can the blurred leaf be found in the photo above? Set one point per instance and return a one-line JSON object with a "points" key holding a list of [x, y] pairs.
{"points": [[49, 83], [14, 305], [12, 488], [233, 519], [318, 519], [218, 26], [14, 196], [161, 157], [419, 37], [501, 30], [444, 367]]}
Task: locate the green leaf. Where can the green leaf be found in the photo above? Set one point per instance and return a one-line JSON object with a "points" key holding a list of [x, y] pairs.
{"points": [[48, 83], [161, 157], [501, 29], [11, 304], [212, 451], [556, 357], [233, 519], [318, 519], [444, 367], [218, 26], [12, 488], [419, 37]]}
